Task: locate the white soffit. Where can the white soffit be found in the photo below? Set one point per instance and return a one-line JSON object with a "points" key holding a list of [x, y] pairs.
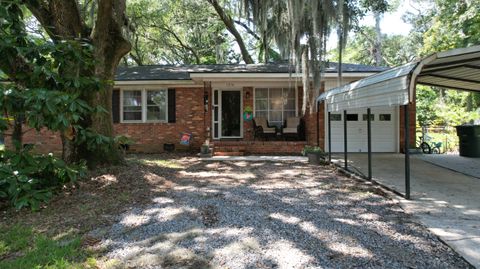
{"points": [[455, 69]]}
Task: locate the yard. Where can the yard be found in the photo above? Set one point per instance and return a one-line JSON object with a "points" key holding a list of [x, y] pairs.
{"points": [[170, 211]]}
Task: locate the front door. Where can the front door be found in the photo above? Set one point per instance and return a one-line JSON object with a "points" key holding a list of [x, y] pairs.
{"points": [[227, 114]]}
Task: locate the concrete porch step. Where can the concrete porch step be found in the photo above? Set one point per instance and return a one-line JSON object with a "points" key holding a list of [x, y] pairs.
{"points": [[228, 153]]}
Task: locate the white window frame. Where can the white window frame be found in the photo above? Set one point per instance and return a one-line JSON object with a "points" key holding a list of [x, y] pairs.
{"points": [[268, 101], [144, 106]]}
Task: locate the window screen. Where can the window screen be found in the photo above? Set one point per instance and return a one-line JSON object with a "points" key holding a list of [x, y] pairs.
{"points": [[132, 105], [385, 117], [352, 117]]}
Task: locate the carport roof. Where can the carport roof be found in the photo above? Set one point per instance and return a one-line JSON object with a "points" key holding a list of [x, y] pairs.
{"points": [[456, 69]]}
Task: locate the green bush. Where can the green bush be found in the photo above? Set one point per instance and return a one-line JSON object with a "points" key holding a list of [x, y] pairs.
{"points": [[27, 180], [312, 149]]}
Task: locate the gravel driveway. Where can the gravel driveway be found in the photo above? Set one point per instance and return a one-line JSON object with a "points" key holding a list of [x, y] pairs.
{"points": [[267, 215]]}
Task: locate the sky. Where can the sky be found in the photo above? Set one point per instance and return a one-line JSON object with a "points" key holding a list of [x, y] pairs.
{"points": [[391, 23]]}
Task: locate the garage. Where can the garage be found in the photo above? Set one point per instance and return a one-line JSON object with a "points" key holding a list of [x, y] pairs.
{"points": [[384, 121]]}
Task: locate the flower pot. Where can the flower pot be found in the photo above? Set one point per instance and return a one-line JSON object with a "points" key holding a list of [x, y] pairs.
{"points": [[313, 157]]}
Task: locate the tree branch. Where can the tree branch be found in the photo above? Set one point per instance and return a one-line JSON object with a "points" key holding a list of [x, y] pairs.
{"points": [[250, 31], [195, 54], [228, 21], [61, 19]]}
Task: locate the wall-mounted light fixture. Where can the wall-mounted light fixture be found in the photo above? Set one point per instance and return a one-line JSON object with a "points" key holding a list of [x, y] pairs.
{"points": [[205, 100]]}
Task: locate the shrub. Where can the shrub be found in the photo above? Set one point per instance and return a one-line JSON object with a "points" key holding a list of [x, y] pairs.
{"points": [[27, 180], [312, 149]]}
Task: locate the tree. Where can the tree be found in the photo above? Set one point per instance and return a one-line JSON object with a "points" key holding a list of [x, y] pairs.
{"points": [[362, 48], [300, 30], [454, 25], [439, 26], [176, 32], [62, 20], [230, 24]]}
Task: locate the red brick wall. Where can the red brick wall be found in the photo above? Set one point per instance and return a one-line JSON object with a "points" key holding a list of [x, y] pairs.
{"points": [[247, 125], [191, 117], [311, 122], [44, 141], [264, 147]]}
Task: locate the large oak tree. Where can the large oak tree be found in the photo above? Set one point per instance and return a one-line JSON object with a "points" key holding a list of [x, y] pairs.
{"points": [[104, 28]]}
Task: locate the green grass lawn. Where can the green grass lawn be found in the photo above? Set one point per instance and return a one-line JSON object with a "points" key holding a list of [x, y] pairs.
{"points": [[20, 247]]}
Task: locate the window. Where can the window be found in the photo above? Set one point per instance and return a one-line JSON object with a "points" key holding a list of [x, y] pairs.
{"points": [[385, 117], [156, 105], [335, 117], [352, 117], [275, 104], [132, 105], [365, 117], [146, 105]]}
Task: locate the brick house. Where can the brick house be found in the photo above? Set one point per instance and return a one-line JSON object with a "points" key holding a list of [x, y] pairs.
{"points": [[154, 105]]}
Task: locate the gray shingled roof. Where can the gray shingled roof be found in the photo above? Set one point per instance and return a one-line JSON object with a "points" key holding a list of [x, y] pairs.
{"points": [[182, 72]]}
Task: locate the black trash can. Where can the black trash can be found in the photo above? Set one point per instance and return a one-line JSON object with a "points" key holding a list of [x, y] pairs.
{"points": [[469, 137]]}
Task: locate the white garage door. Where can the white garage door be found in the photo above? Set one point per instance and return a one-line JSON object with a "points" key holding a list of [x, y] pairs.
{"points": [[384, 130]]}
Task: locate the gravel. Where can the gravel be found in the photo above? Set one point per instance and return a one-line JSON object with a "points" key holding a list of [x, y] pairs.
{"points": [[269, 215]]}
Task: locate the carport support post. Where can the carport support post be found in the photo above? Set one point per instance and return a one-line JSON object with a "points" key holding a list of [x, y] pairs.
{"points": [[345, 137], [369, 139], [329, 137], [407, 152]]}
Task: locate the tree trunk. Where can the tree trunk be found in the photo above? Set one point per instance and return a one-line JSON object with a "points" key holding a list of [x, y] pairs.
{"points": [[378, 41], [62, 21], [17, 134], [110, 45]]}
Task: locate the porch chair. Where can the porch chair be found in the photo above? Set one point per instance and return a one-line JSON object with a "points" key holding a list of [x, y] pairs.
{"points": [[291, 128], [262, 129]]}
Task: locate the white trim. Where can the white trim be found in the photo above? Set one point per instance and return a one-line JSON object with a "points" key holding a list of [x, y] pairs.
{"points": [[121, 107], [143, 105], [268, 100], [213, 115], [220, 136]]}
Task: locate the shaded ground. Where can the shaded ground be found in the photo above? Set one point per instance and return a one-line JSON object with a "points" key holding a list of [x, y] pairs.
{"points": [[185, 213], [444, 200]]}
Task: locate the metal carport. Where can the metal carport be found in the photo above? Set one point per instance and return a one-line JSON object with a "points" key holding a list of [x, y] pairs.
{"points": [[455, 69]]}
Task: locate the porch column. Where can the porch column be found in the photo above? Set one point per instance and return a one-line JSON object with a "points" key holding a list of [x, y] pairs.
{"points": [[345, 137]]}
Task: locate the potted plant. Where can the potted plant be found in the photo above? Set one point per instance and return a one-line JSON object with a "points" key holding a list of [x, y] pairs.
{"points": [[123, 142], [205, 148], [313, 153]]}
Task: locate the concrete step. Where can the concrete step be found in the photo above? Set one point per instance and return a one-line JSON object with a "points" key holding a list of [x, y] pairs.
{"points": [[228, 153]]}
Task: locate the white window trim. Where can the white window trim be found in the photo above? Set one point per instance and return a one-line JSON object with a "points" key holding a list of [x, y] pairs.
{"points": [[144, 106], [268, 100]]}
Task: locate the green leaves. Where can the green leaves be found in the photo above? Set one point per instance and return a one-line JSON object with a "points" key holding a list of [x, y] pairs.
{"points": [[28, 180]]}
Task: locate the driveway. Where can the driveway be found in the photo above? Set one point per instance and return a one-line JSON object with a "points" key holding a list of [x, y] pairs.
{"points": [[282, 214], [445, 201]]}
